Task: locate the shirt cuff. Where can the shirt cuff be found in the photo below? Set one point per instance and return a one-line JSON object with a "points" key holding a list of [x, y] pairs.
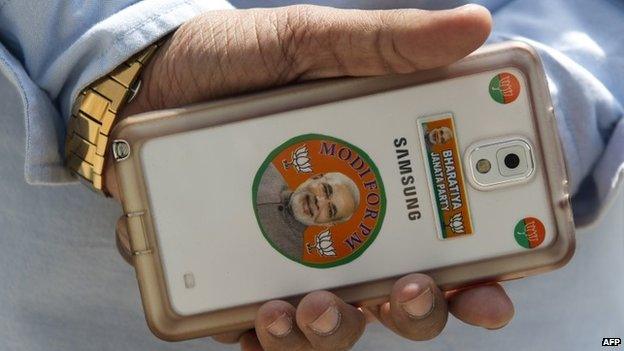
{"points": [[117, 38], [107, 45]]}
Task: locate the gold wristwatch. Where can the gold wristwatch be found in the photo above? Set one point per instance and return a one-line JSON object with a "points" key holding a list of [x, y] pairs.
{"points": [[94, 114]]}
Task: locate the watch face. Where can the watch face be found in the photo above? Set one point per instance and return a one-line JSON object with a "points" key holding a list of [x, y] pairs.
{"points": [[319, 200]]}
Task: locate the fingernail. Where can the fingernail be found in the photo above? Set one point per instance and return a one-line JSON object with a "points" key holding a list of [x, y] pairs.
{"points": [[420, 305], [327, 322], [281, 326], [497, 328], [469, 7]]}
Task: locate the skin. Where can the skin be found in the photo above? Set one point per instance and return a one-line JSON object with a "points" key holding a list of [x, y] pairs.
{"points": [[323, 200], [224, 53]]}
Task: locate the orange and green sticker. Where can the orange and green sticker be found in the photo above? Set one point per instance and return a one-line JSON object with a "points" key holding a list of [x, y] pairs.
{"points": [[319, 200], [529, 232], [446, 174], [504, 88]]}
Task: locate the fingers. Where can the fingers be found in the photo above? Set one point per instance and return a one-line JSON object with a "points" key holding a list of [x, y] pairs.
{"points": [[223, 53], [321, 322], [330, 42], [417, 309], [276, 327], [328, 322], [229, 338], [249, 342], [486, 306], [247, 339]]}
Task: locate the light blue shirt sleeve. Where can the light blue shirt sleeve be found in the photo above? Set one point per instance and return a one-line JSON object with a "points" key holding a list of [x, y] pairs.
{"points": [[580, 43], [51, 49]]}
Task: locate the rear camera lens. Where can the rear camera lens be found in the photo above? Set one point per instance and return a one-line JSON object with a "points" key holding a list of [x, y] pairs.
{"points": [[512, 161]]}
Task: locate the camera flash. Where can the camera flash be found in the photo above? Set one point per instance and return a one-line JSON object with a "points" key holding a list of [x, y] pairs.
{"points": [[483, 166]]}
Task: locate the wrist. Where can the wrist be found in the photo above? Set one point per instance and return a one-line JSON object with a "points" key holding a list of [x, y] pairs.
{"points": [[161, 79], [94, 114], [147, 97]]}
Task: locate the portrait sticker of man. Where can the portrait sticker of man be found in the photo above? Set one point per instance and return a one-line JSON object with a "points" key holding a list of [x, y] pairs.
{"points": [[322, 200], [439, 136], [318, 200]]}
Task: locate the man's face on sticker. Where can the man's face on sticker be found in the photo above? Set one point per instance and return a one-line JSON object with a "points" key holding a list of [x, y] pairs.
{"points": [[325, 199], [439, 136]]}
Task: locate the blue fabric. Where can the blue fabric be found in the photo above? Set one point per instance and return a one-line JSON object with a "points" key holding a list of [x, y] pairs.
{"points": [[579, 44]]}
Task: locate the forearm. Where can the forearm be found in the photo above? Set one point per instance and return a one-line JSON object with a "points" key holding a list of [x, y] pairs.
{"points": [[54, 50]]}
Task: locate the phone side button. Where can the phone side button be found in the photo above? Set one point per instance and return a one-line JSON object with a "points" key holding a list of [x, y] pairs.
{"points": [[139, 242]]}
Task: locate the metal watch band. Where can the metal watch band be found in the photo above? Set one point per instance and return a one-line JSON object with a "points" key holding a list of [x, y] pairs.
{"points": [[94, 114]]}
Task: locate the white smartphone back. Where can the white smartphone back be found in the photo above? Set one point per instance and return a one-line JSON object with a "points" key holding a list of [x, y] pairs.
{"points": [[200, 186]]}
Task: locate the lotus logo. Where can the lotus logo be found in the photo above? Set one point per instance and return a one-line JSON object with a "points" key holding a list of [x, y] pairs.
{"points": [[323, 244], [504, 88], [456, 223], [300, 160]]}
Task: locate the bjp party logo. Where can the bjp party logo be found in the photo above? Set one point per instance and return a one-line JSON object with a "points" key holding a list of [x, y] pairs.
{"points": [[319, 200], [529, 232], [504, 88]]}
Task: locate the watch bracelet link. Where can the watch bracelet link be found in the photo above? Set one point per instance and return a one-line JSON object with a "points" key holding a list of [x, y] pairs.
{"points": [[94, 114]]}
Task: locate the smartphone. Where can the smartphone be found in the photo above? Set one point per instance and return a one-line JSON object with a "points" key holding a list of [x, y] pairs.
{"points": [[344, 185]]}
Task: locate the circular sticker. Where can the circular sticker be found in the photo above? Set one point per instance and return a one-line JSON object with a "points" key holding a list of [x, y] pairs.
{"points": [[319, 200], [504, 88], [529, 232]]}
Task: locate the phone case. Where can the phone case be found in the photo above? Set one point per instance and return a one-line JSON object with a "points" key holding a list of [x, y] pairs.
{"points": [[172, 308]]}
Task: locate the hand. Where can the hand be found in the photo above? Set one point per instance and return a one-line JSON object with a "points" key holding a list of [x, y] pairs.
{"points": [[224, 53]]}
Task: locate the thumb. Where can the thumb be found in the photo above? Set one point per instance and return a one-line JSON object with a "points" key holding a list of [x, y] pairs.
{"points": [[364, 43], [229, 52]]}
